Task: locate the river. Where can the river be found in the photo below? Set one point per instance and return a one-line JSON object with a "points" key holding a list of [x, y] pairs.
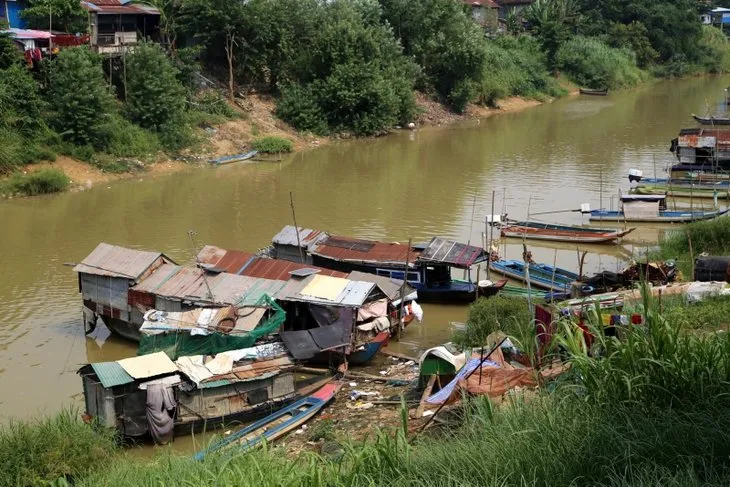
{"points": [[432, 181]]}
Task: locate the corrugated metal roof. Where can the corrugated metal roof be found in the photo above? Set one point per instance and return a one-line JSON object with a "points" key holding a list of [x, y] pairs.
{"points": [[349, 249], [452, 252], [114, 261], [187, 283], [232, 261], [288, 236], [111, 374], [119, 7], [353, 294], [247, 264], [391, 287]]}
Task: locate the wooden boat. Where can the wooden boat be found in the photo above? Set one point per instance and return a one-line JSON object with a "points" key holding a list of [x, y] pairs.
{"points": [[650, 208], [560, 233], [711, 120], [275, 425], [541, 275], [234, 158], [686, 183], [589, 91], [662, 216], [368, 351], [702, 192]]}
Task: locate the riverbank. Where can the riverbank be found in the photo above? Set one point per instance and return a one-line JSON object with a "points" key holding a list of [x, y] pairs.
{"points": [[255, 118]]}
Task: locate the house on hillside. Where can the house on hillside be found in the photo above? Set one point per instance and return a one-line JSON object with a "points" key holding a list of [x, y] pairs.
{"points": [[507, 7], [484, 12], [116, 25], [718, 17], [10, 13]]}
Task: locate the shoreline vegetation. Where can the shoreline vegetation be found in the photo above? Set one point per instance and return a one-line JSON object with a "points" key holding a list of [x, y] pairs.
{"points": [[311, 71]]}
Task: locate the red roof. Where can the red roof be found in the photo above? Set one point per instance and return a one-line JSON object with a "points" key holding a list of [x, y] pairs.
{"points": [[248, 264], [357, 250]]}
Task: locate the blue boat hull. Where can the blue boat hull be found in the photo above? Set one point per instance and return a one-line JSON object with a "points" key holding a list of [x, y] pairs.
{"points": [[365, 355], [664, 216], [541, 275]]}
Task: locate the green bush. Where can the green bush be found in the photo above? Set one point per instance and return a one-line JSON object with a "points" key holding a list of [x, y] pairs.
{"points": [[515, 66], [125, 139], [488, 315], [213, 103], [299, 106], [715, 50], [80, 97], [593, 64], [154, 95], [44, 181], [273, 145], [41, 451], [711, 237]]}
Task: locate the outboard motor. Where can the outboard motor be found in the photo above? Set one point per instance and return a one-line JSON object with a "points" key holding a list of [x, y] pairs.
{"points": [[635, 175]]}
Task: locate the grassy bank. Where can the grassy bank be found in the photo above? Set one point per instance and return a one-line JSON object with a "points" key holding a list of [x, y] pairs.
{"points": [[647, 409], [711, 237]]}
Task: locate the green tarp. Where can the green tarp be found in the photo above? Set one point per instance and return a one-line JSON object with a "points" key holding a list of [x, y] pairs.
{"points": [[180, 344]]}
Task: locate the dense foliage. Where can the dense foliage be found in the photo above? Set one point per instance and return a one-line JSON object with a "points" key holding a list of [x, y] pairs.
{"points": [[593, 64], [80, 98], [273, 145], [57, 15]]}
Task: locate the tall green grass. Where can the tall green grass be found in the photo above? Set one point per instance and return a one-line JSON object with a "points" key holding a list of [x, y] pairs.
{"points": [[51, 448], [712, 237], [44, 181], [593, 64], [515, 66]]}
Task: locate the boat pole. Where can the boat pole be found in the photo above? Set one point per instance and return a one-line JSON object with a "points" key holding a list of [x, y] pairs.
{"points": [[491, 237], [296, 228], [401, 318]]}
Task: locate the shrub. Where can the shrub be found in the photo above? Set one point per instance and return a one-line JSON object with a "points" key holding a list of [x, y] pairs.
{"points": [[213, 103], [711, 237], [591, 63], [273, 145], [11, 153], [487, 315], [154, 96], [298, 106], [39, 182], [44, 450], [715, 50], [80, 97], [124, 139]]}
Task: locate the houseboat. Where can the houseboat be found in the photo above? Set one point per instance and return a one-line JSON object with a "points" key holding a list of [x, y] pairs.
{"points": [[429, 266]]}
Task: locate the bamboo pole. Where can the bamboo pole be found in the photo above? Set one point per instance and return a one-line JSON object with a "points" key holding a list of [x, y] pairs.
{"points": [[296, 227], [401, 318]]}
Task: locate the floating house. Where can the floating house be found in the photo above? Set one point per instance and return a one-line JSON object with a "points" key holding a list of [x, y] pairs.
{"points": [[708, 147], [152, 395], [429, 265], [105, 278]]}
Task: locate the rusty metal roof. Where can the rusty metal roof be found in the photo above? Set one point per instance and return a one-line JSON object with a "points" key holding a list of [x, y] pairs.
{"points": [[114, 261], [118, 7], [189, 284], [223, 260], [453, 253], [247, 264], [288, 236]]}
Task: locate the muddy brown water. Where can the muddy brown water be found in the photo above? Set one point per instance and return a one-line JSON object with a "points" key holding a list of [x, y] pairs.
{"points": [[433, 181]]}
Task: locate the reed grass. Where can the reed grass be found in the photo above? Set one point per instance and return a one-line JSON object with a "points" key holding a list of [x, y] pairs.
{"points": [[50, 448], [711, 237]]}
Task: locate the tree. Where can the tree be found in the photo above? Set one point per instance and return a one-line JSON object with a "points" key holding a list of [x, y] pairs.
{"points": [[154, 95], [672, 26], [9, 54], [80, 97], [444, 41], [552, 22], [58, 15]]}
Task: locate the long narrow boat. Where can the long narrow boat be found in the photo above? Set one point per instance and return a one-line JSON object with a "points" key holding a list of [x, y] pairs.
{"points": [[679, 192], [686, 183], [711, 120], [234, 158], [560, 233], [662, 216], [275, 425], [589, 91], [541, 275]]}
